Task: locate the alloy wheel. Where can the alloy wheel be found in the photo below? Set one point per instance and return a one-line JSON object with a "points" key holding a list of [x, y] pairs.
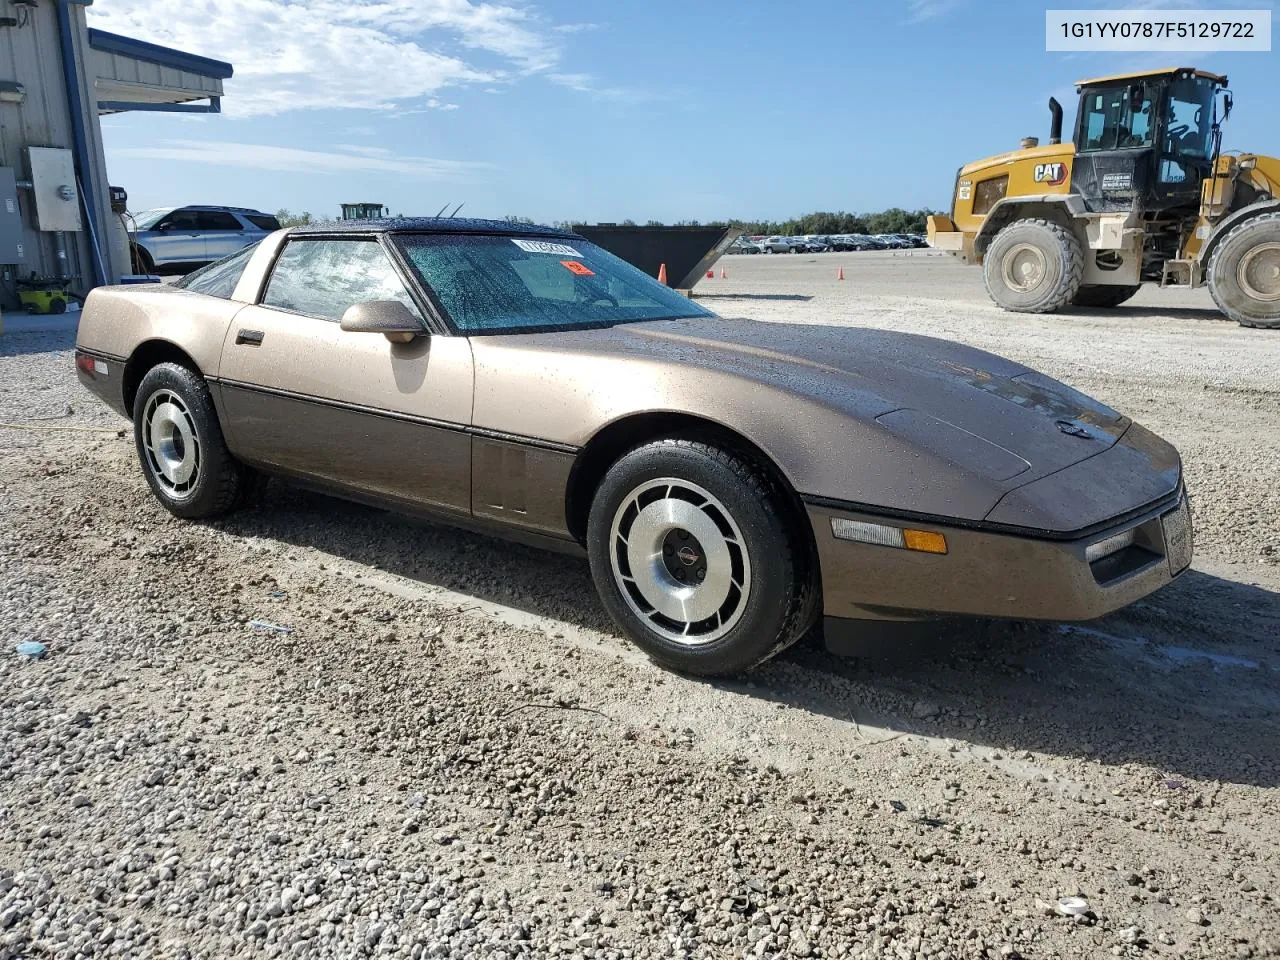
{"points": [[680, 561], [171, 443]]}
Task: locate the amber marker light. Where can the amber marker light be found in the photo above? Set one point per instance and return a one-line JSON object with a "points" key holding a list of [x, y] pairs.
{"points": [[926, 541], [884, 535]]}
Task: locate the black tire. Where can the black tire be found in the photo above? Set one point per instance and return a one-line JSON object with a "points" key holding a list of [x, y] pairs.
{"points": [[1059, 272], [57, 305], [172, 407], [779, 600], [1097, 295], [141, 260], [1248, 255]]}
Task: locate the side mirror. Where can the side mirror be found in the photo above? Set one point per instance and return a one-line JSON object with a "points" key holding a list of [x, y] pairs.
{"points": [[391, 318]]}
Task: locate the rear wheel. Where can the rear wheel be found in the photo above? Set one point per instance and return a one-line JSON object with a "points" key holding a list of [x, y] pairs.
{"points": [[142, 262], [1095, 295], [180, 445], [1033, 266], [1244, 272], [692, 558]]}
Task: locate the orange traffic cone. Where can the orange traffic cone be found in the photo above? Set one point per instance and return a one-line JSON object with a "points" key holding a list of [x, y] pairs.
{"points": [[662, 273], [724, 274], [840, 273]]}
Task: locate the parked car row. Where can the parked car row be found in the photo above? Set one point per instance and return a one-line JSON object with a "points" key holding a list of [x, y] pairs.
{"points": [[813, 243]]}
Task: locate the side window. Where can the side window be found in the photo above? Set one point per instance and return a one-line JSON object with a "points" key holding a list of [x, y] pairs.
{"points": [[216, 220], [219, 278], [179, 220], [263, 221], [322, 278]]}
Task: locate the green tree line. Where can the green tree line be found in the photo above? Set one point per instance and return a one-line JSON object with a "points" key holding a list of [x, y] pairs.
{"points": [[823, 223]]}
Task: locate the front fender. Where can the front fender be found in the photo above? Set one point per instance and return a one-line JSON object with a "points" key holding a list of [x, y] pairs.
{"points": [[1233, 220], [829, 445], [1065, 207]]}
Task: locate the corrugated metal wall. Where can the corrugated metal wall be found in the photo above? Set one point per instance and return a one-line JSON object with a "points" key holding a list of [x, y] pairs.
{"points": [[31, 55]]}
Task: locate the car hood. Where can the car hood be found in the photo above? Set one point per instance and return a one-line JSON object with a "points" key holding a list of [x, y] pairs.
{"points": [[858, 414], [984, 412]]}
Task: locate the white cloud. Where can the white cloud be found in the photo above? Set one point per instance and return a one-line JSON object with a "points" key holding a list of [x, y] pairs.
{"points": [[366, 54], [586, 83], [346, 159], [918, 11]]}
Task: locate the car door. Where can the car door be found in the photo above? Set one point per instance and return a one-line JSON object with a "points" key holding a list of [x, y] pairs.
{"points": [[178, 239], [352, 410], [223, 233]]}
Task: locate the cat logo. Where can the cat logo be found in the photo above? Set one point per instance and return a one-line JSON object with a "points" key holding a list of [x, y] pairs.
{"points": [[1051, 173]]}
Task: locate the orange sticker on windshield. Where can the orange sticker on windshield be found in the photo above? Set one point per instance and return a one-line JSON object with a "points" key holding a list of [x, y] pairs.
{"points": [[578, 267]]}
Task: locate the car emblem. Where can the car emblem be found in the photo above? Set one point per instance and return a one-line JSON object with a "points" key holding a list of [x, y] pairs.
{"points": [[1072, 429], [688, 556]]}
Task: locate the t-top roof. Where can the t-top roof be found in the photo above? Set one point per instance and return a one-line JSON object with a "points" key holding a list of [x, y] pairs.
{"points": [[430, 225]]}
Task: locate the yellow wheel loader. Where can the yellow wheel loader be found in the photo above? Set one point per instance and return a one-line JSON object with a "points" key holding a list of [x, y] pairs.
{"points": [[1143, 194]]}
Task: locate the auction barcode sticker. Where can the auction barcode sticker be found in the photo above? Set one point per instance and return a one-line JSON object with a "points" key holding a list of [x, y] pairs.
{"points": [[545, 246], [1163, 30]]}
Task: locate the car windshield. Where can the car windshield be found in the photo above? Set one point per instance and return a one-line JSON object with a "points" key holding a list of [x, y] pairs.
{"points": [[495, 284], [149, 218]]}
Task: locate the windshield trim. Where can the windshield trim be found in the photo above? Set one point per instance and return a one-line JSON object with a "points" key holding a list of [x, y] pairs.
{"points": [[570, 327], [442, 314]]}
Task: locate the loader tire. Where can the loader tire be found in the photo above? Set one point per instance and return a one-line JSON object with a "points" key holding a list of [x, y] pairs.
{"points": [[1033, 266], [1244, 272], [1097, 295]]}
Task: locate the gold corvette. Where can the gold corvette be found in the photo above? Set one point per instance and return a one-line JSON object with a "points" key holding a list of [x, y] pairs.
{"points": [[729, 480]]}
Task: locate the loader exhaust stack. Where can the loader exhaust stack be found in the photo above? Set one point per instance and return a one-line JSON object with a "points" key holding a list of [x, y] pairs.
{"points": [[1055, 124]]}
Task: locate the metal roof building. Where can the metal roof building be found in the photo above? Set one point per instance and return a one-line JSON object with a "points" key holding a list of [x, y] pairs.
{"points": [[57, 77]]}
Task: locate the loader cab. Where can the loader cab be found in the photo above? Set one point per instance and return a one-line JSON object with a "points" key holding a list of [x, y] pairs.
{"points": [[1146, 141]]}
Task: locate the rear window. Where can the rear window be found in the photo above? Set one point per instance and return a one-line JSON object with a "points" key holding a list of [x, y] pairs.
{"points": [[219, 278], [494, 284], [216, 220], [263, 220]]}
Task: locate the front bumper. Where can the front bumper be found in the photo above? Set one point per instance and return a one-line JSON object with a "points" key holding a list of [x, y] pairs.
{"points": [[999, 574]]}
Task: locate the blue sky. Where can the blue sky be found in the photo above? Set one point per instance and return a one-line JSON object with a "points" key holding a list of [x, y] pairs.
{"points": [[575, 110]]}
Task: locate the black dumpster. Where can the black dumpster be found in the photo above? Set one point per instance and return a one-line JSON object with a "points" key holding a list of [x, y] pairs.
{"points": [[688, 252]]}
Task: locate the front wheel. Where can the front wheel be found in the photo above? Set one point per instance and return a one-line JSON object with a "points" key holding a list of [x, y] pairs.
{"points": [[692, 558], [1033, 266], [1244, 272], [180, 445]]}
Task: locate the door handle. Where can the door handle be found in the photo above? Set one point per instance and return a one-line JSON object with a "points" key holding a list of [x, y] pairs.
{"points": [[253, 337]]}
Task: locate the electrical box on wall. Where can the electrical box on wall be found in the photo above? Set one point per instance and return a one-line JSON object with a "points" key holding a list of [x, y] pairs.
{"points": [[10, 219], [53, 186]]}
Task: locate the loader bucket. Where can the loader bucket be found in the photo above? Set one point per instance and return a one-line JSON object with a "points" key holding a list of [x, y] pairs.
{"points": [[688, 252]]}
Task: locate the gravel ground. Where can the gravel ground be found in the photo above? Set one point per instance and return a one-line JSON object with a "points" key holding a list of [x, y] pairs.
{"points": [[446, 751]]}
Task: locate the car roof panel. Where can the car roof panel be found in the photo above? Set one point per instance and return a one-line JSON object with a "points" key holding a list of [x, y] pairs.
{"points": [[431, 225]]}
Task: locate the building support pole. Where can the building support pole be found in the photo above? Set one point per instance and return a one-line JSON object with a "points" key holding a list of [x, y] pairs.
{"points": [[79, 135]]}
